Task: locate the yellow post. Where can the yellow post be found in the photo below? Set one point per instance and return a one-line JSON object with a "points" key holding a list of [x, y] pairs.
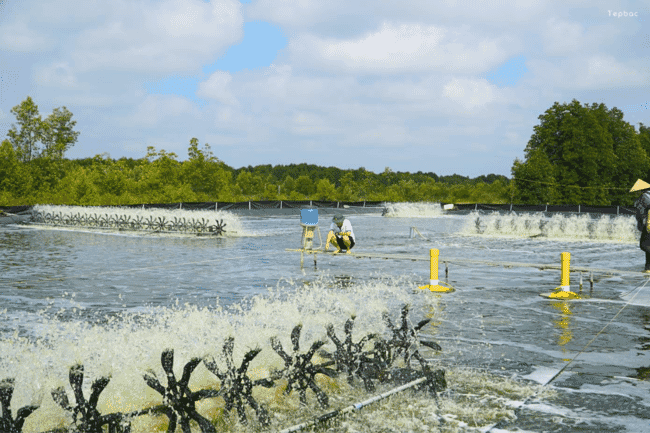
{"points": [[563, 291], [433, 274], [434, 285], [566, 265]]}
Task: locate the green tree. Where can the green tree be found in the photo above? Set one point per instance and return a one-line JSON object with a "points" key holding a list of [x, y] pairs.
{"points": [[14, 178], [534, 179], [55, 133], [631, 162], [304, 185], [161, 171], [251, 185], [58, 135], [205, 173], [585, 150], [325, 190], [348, 189], [29, 133], [287, 185], [644, 138]]}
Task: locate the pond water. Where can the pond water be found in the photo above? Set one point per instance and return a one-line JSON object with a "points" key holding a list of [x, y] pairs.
{"points": [[115, 300]]}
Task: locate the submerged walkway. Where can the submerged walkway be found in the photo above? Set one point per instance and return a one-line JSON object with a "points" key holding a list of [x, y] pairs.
{"points": [[540, 266]]}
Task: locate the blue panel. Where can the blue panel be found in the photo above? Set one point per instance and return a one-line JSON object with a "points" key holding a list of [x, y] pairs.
{"points": [[309, 216]]}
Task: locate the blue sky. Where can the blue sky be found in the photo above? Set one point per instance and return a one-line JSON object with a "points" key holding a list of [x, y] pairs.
{"points": [[454, 86]]}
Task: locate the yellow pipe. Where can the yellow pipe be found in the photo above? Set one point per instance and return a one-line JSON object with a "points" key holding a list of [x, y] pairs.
{"points": [[566, 264], [434, 283], [564, 292], [433, 274]]}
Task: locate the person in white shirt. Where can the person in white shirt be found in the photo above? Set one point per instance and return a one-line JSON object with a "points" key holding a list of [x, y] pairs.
{"points": [[340, 234]]}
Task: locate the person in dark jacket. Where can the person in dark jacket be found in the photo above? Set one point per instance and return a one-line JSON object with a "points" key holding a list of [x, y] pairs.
{"points": [[642, 205]]}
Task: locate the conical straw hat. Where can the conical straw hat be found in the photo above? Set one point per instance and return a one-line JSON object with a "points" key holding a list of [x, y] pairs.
{"points": [[640, 185]]}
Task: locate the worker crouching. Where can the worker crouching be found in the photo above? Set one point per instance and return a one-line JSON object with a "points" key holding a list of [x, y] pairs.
{"points": [[340, 234]]}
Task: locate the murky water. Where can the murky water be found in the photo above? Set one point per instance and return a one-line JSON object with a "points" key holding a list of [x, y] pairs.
{"points": [[114, 301]]}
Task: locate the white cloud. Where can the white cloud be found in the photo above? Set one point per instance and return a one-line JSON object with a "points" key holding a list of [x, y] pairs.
{"points": [[470, 93], [381, 134], [562, 37], [405, 48], [157, 109], [309, 123], [595, 72], [169, 36], [326, 16], [58, 74], [217, 87], [390, 47], [480, 148], [18, 37], [601, 70], [291, 12]]}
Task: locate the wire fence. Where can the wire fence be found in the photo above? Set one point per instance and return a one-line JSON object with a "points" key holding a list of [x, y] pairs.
{"points": [[553, 208], [242, 205], [356, 206]]}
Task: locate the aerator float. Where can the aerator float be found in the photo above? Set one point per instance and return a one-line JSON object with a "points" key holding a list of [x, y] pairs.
{"points": [[371, 359], [201, 227]]}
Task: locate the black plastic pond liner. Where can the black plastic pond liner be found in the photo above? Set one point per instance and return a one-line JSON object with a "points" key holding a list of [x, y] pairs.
{"points": [[301, 204], [211, 205], [552, 208]]}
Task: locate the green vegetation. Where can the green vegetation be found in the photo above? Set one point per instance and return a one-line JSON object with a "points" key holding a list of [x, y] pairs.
{"points": [[581, 154], [33, 170], [576, 155], [160, 178]]}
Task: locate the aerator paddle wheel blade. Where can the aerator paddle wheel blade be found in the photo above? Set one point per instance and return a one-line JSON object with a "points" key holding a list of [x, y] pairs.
{"points": [[86, 417], [299, 369], [350, 358], [406, 339], [236, 386], [219, 229], [7, 423], [177, 397]]}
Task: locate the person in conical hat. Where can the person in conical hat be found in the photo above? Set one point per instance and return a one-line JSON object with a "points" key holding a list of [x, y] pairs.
{"points": [[642, 205], [340, 234]]}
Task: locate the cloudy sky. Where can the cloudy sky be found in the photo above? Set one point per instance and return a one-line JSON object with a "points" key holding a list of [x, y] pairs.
{"points": [[445, 86]]}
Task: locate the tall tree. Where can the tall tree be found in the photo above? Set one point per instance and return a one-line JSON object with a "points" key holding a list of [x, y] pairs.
{"points": [[55, 133], [58, 135], [582, 154], [534, 179], [25, 139], [644, 138]]}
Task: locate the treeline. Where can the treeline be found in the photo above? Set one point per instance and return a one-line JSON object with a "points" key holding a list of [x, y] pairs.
{"points": [[582, 154], [33, 170], [160, 177], [578, 154]]}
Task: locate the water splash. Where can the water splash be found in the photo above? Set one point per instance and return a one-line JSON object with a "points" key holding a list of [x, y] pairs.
{"points": [[620, 228], [413, 210], [127, 346], [176, 221]]}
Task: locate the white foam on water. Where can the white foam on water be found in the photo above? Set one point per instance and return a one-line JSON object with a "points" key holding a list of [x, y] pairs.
{"points": [[127, 345], [413, 210], [233, 226], [620, 228], [541, 375]]}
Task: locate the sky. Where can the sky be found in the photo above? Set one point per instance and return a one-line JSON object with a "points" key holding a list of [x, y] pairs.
{"points": [[447, 86]]}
